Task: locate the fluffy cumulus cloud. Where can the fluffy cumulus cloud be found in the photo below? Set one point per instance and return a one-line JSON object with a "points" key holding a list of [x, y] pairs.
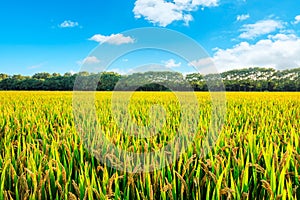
{"points": [[262, 27], [171, 63], [204, 65], [89, 60], [119, 71], [116, 39], [297, 19], [68, 24], [163, 12], [279, 51], [73, 72], [242, 17], [201, 62]]}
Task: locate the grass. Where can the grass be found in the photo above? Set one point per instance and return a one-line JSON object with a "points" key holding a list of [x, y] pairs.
{"points": [[44, 156]]}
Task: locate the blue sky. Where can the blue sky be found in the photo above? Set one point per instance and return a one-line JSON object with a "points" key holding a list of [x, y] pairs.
{"points": [[58, 36]]}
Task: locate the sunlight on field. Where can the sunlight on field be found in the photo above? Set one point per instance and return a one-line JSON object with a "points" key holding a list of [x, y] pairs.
{"points": [[257, 154]]}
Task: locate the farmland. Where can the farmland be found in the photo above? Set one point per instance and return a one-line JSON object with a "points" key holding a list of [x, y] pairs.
{"points": [[256, 156]]}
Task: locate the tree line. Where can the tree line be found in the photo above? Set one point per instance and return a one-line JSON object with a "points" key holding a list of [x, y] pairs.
{"points": [[250, 79]]}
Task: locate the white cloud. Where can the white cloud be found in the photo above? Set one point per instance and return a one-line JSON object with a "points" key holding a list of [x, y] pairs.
{"points": [[73, 72], [263, 27], [163, 12], [68, 24], [89, 60], [277, 51], [205, 3], [242, 17], [36, 66], [204, 65], [283, 37], [297, 19], [200, 63], [171, 63], [118, 70], [115, 39]]}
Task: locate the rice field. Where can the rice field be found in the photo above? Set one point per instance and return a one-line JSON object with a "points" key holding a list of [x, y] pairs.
{"points": [[44, 155]]}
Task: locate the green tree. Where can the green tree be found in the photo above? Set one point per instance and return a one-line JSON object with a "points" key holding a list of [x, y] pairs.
{"points": [[3, 76], [107, 81], [41, 75]]}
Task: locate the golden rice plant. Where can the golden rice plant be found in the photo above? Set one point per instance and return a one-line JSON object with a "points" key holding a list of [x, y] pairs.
{"points": [[44, 156]]}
